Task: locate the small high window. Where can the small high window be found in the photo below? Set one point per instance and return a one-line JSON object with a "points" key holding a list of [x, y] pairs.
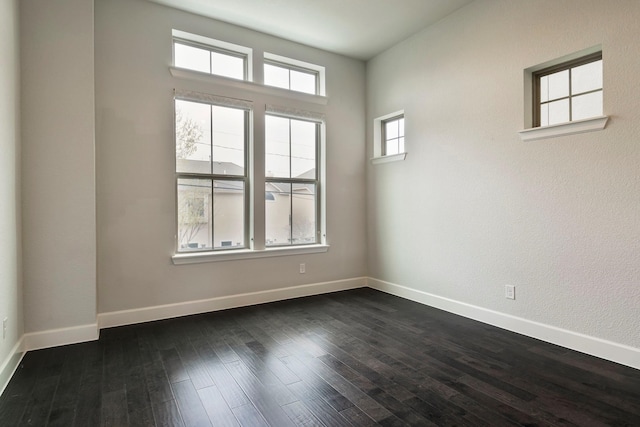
{"points": [[206, 55], [289, 77], [568, 92], [294, 75], [393, 136]]}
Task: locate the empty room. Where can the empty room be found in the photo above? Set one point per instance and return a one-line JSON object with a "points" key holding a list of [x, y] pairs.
{"points": [[336, 213]]}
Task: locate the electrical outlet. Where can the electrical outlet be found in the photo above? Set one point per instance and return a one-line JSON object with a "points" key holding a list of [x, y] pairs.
{"points": [[4, 327], [303, 268], [510, 292]]}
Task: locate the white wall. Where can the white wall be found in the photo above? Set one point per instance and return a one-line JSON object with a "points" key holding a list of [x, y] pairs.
{"points": [[58, 164], [10, 280], [473, 208], [135, 164]]}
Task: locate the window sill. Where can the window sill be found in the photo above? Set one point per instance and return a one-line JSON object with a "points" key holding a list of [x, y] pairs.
{"points": [[247, 85], [388, 159], [562, 129], [200, 257]]}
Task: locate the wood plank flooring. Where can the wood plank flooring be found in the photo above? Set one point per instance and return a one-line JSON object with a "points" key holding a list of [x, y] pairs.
{"points": [[353, 358]]}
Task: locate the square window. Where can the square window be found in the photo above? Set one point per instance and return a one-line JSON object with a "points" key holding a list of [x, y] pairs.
{"points": [[568, 91]]}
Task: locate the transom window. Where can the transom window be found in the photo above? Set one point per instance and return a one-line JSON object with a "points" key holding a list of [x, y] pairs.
{"points": [[211, 174], [393, 136], [291, 182], [207, 59], [569, 91], [290, 77]]}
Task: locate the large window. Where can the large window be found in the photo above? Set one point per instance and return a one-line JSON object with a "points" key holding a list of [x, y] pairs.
{"points": [[249, 157], [291, 183], [211, 174], [569, 91]]}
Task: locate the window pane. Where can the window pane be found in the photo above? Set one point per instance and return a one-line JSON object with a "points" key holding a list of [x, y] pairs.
{"points": [[277, 213], [544, 89], [303, 224], [401, 127], [401, 145], [228, 214], [391, 129], [544, 115], [391, 147], [191, 58], [586, 77], [303, 149], [558, 85], [303, 82], [193, 137], [228, 140], [227, 65], [194, 214], [276, 76], [277, 147], [585, 106], [558, 112]]}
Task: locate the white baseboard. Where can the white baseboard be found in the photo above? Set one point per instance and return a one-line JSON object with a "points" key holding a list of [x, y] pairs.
{"points": [[58, 337], [10, 364], [147, 314], [619, 353]]}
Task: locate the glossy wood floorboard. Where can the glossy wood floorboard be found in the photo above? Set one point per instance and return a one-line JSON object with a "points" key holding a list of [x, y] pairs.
{"points": [[353, 358]]}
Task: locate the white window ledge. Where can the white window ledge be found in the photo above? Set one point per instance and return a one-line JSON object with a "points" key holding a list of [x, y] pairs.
{"points": [[247, 85], [388, 159], [199, 257], [562, 129]]}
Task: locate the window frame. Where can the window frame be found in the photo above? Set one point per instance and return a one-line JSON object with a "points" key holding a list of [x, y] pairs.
{"points": [[292, 181], [246, 179], [213, 49], [384, 139], [566, 65], [291, 67]]}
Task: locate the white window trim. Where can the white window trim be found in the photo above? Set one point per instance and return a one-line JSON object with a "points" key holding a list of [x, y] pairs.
{"points": [[215, 44], [301, 64], [184, 73], [388, 159], [378, 158], [569, 128], [232, 255]]}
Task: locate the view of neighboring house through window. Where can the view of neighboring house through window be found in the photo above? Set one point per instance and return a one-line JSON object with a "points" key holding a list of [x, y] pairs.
{"points": [[291, 187], [212, 180], [208, 59], [569, 91], [393, 136], [290, 77]]}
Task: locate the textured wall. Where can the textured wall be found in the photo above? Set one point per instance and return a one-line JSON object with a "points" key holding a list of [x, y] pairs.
{"points": [[473, 208], [135, 161], [56, 41], [10, 286]]}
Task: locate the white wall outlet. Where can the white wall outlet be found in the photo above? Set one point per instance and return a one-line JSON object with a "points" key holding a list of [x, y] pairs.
{"points": [[303, 268], [4, 327], [510, 292]]}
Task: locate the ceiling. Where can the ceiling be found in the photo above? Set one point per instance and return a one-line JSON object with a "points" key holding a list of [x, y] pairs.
{"points": [[356, 28]]}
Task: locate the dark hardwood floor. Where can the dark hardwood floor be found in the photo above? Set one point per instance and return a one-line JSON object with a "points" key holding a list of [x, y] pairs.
{"points": [[358, 358]]}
